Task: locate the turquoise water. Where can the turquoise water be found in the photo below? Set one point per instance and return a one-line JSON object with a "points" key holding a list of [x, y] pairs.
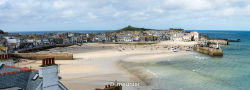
{"points": [[202, 72]]}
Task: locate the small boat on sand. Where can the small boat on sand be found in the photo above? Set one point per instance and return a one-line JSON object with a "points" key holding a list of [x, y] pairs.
{"points": [[173, 49]]}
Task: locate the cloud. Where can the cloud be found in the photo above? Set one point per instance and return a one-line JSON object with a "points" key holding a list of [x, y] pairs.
{"points": [[61, 4], [188, 5], [68, 13], [34, 13], [2, 2], [92, 16], [226, 12]]}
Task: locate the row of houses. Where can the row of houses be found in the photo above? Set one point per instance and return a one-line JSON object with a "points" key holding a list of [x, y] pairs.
{"points": [[13, 42], [17, 41], [129, 36]]}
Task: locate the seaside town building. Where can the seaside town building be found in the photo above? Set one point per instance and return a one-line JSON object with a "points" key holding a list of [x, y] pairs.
{"points": [[195, 36], [3, 45], [12, 42]]}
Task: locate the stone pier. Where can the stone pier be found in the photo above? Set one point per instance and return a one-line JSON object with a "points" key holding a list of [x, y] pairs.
{"points": [[209, 51], [221, 42]]}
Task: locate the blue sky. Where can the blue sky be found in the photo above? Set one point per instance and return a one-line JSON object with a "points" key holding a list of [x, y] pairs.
{"points": [[42, 15]]}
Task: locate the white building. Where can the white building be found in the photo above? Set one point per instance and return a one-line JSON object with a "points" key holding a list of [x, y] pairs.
{"points": [[196, 36], [178, 39], [12, 42], [124, 38], [187, 37]]}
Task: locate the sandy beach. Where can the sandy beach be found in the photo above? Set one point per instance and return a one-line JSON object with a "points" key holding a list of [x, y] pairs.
{"points": [[95, 65]]}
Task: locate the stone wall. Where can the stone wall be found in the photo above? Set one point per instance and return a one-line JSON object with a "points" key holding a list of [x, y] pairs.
{"points": [[209, 51], [39, 56], [221, 42]]}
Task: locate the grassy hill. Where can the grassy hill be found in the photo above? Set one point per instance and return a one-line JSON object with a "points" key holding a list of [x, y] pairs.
{"points": [[131, 28]]}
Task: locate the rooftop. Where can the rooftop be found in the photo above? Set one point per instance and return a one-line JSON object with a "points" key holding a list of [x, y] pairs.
{"points": [[7, 69], [18, 77]]}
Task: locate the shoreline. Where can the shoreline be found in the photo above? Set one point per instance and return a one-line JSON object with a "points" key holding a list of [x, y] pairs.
{"points": [[136, 66]]}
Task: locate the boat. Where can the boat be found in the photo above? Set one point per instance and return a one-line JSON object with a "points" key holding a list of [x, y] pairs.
{"points": [[188, 49], [174, 49]]}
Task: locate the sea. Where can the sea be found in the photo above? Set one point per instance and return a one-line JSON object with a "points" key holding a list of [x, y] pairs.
{"points": [[60, 31], [197, 71], [202, 72]]}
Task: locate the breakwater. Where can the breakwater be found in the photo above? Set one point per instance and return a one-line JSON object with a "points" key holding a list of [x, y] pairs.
{"points": [[221, 42], [209, 51], [39, 48], [40, 56]]}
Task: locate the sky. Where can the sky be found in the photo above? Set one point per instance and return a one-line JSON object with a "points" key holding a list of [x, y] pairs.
{"points": [[46, 15]]}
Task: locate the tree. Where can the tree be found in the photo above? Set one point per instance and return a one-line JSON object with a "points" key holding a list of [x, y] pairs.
{"points": [[1, 32]]}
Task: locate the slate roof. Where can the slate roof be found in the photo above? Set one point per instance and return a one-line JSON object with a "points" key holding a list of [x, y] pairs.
{"points": [[16, 77], [4, 69], [11, 76]]}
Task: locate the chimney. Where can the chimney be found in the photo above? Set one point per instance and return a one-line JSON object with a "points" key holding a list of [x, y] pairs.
{"points": [[6, 56], [53, 61], [2, 56], [48, 71], [48, 62], [9, 55], [43, 62]]}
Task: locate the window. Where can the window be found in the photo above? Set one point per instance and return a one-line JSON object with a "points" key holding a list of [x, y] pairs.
{"points": [[35, 77]]}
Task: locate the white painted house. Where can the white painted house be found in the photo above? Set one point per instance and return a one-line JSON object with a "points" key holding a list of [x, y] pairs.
{"points": [[12, 42]]}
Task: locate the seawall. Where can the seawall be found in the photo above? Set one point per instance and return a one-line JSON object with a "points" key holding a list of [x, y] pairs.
{"points": [[209, 51], [39, 48], [38, 56]]}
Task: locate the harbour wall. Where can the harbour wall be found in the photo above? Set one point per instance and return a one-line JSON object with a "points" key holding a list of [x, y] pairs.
{"points": [[221, 42], [209, 51], [39, 48], [40, 56]]}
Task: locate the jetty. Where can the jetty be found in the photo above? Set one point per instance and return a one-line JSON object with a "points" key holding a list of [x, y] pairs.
{"points": [[221, 42], [237, 40], [209, 50]]}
